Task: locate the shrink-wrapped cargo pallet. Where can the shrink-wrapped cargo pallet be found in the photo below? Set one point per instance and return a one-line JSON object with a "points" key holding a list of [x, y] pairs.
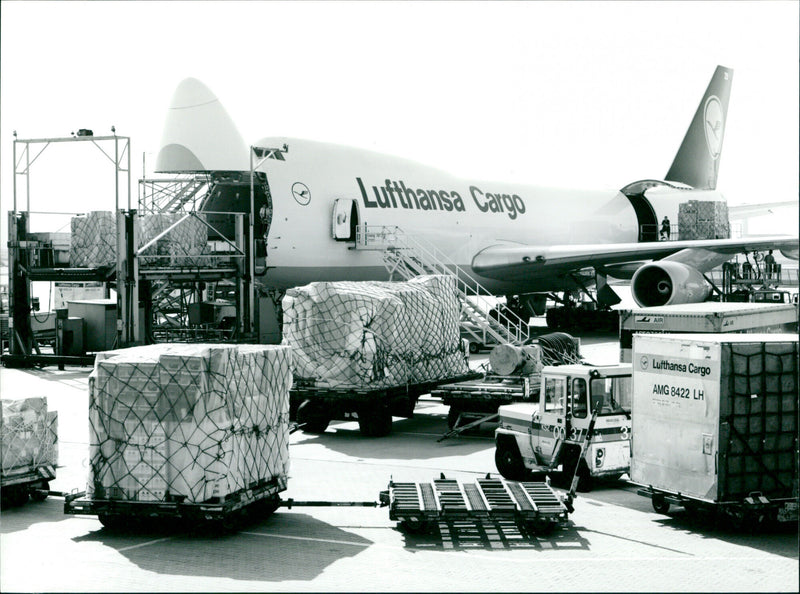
{"points": [[28, 436], [188, 423], [94, 239], [373, 334]]}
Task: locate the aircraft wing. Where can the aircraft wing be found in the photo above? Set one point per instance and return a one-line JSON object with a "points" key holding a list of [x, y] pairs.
{"points": [[517, 262]]}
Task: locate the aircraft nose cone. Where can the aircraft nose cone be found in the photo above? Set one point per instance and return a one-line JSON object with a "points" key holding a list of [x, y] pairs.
{"points": [[199, 135]]}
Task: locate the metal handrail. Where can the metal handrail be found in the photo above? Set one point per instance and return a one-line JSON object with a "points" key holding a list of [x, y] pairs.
{"points": [[509, 327]]}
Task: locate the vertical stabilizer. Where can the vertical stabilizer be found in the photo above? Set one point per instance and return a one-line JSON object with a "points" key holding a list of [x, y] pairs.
{"points": [[697, 161], [199, 135]]}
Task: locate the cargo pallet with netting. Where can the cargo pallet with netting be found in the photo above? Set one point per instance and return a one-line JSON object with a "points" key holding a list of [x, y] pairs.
{"points": [[194, 431], [29, 445], [419, 506], [260, 498], [314, 407]]}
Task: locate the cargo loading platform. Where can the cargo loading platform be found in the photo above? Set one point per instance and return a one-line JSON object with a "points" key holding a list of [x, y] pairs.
{"points": [[417, 506]]}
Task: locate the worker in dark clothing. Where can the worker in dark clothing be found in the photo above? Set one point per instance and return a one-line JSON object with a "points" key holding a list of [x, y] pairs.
{"points": [[665, 228], [769, 264]]}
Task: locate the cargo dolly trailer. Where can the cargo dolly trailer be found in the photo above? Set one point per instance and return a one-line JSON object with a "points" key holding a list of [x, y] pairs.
{"points": [[315, 406], [476, 401], [419, 506], [225, 512], [19, 484]]}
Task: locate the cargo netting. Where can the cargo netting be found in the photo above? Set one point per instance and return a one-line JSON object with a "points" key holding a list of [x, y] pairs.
{"points": [[375, 334], [762, 419], [94, 240], [188, 422], [28, 435], [703, 219]]}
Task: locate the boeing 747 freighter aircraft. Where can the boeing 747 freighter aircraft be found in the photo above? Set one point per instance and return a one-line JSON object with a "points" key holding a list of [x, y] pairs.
{"points": [[518, 240]]}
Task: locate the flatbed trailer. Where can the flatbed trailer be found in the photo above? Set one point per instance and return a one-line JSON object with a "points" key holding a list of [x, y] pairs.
{"points": [[315, 406], [478, 399], [226, 512], [20, 483], [419, 506]]}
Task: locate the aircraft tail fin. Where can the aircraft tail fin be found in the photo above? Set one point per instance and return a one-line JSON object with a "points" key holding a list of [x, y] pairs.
{"points": [[199, 135], [697, 161]]}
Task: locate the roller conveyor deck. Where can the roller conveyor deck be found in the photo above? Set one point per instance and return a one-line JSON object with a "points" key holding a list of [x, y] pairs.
{"points": [[415, 505]]}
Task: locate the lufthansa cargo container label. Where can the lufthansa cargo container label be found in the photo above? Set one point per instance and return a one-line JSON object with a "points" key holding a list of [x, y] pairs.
{"points": [[674, 382]]}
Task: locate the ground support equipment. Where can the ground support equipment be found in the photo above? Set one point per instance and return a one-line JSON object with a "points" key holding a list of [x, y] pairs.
{"points": [[226, 512], [476, 401], [20, 483], [419, 506], [752, 511], [314, 406]]}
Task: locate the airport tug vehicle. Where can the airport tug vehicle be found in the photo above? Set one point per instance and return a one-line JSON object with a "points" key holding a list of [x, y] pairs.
{"points": [[579, 426]]}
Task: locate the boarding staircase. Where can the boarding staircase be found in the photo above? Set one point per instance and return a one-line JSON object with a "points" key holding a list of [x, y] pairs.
{"points": [[406, 257]]}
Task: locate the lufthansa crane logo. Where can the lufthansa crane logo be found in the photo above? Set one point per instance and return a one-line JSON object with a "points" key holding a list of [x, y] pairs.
{"points": [[643, 362], [714, 126], [301, 193]]}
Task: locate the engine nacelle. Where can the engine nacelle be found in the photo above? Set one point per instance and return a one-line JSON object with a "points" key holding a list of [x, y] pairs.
{"points": [[668, 283]]}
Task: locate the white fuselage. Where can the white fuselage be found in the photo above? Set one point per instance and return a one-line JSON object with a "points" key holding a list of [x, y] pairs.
{"points": [[460, 217]]}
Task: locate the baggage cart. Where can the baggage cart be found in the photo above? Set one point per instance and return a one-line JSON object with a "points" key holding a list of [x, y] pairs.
{"points": [[314, 406]]}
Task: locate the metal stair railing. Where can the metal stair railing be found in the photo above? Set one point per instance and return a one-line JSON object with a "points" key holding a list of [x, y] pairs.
{"points": [[169, 194], [408, 257]]}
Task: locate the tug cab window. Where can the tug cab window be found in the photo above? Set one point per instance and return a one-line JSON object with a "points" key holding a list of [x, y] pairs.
{"points": [[554, 394], [580, 406], [613, 392]]}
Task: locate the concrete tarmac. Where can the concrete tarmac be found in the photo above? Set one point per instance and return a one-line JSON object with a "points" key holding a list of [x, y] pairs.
{"points": [[614, 541]]}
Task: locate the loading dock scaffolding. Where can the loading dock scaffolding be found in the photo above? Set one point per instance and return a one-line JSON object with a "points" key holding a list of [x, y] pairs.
{"points": [[133, 282]]}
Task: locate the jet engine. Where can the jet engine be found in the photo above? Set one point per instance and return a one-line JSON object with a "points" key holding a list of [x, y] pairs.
{"points": [[668, 283]]}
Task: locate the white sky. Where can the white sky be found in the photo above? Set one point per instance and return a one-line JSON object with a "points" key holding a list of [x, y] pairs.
{"points": [[573, 94]]}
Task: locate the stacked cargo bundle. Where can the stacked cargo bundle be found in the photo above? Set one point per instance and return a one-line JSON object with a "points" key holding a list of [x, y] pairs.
{"points": [[703, 219], [188, 423], [373, 334], [93, 240], [28, 436], [180, 247]]}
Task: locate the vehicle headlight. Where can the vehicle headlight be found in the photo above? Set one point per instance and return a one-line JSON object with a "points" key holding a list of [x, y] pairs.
{"points": [[598, 457]]}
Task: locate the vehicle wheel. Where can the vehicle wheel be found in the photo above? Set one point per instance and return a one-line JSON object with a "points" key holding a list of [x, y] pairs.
{"points": [[509, 461], [39, 492], [316, 420], [375, 421], [452, 417], [414, 526], [660, 504], [543, 527], [585, 480], [14, 496], [113, 521], [473, 347]]}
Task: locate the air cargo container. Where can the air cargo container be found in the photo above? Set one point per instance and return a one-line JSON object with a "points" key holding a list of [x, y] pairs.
{"points": [[715, 423], [711, 316]]}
